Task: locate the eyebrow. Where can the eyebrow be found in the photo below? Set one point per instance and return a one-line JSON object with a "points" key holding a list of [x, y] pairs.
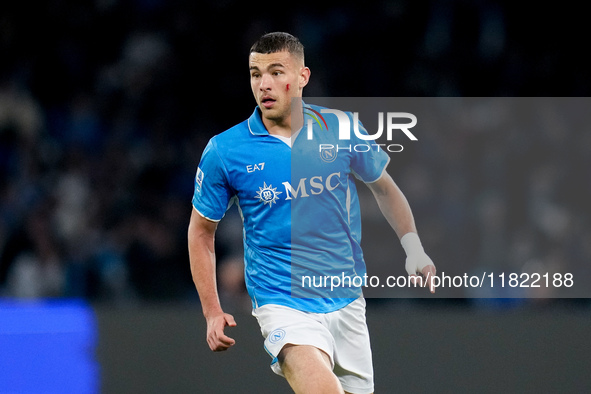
{"points": [[269, 67]]}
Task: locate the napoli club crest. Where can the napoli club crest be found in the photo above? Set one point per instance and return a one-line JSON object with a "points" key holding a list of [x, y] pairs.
{"points": [[328, 154]]}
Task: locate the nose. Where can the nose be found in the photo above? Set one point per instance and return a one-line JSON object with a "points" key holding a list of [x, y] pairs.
{"points": [[265, 83]]}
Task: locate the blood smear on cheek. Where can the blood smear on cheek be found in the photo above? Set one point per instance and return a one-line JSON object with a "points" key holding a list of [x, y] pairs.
{"points": [[287, 87]]}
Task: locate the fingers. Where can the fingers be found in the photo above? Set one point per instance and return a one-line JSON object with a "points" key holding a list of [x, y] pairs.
{"points": [[425, 278], [421, 270], [221, 342], [230, 320], [218, 342], [429, 272], [216, 339]]}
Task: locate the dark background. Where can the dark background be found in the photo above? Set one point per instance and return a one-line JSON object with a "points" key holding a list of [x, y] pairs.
{"points": [[106, 105]]}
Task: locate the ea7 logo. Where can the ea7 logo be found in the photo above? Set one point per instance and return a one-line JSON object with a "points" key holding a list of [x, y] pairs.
{"points": [[345, 125], [255, 167]]}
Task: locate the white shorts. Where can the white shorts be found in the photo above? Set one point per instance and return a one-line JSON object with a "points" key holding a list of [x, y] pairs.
{"points": [[341, 334]]}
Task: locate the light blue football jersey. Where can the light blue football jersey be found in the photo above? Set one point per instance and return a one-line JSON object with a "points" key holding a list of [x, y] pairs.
{"points": [[299, 207]]}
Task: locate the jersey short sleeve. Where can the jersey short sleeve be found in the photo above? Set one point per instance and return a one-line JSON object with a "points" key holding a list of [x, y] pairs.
{"points": [[368, 163], [212, 193]]}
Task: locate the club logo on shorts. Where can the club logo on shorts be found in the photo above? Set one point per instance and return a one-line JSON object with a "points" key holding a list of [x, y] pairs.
{"points": [[276, 335], [268, 194]]}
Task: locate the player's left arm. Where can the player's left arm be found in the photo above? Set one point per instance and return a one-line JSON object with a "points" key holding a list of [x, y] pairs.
{"points": [[396, 210]]}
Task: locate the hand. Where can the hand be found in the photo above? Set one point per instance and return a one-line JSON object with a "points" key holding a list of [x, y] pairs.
{"points": [[216, 339], [421, 264]]}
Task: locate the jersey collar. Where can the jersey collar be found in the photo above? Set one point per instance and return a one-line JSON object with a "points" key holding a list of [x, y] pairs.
{"points": [[255, 123]]}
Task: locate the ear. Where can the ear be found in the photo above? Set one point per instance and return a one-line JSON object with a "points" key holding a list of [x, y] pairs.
{"points": [[304, 76]]}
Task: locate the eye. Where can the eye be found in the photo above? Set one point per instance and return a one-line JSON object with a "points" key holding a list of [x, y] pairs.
{"points": [[277, 73], [254, 75]]}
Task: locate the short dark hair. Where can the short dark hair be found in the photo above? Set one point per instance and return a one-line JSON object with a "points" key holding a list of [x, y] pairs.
{"points": [[277, 42]]}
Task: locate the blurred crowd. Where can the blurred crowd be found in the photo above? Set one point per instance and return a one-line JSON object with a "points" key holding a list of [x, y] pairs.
{"points": [[106, 106]]}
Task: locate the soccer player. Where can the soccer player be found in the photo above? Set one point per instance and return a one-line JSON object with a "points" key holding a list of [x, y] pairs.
{"points": [[301, 216]]}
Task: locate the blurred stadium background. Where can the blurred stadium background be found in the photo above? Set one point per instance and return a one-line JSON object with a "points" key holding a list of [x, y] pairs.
{"points": [[106, 105]]}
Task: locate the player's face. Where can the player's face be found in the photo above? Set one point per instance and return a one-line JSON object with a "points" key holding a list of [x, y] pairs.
{"points": [[274, 79]]}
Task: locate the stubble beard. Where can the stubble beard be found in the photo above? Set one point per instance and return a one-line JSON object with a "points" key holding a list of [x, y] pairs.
{"points": [[276, 115]]}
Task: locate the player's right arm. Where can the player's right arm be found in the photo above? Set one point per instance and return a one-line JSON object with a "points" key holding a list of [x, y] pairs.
{"points": [[201, 240]]}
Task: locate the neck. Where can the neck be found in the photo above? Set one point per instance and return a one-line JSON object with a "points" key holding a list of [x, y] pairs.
{"points": [[289, 125], [280, 127]]}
